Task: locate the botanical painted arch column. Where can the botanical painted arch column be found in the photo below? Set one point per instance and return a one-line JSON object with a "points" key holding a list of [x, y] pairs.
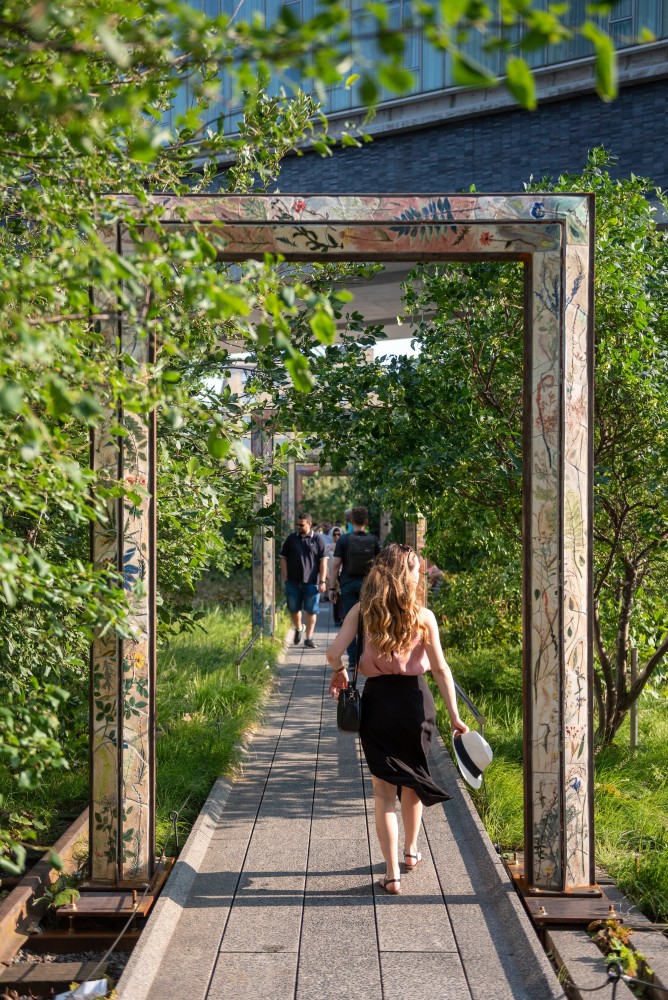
{"points": [[289, 498], [122, 669], [552, 235], [264, 563], [414, 535]]}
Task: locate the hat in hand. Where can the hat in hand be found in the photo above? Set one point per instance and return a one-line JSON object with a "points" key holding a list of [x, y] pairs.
{"points": [[473, 755]]}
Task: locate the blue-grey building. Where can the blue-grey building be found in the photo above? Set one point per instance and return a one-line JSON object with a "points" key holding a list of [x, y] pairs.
{"points": [[443, 137]]}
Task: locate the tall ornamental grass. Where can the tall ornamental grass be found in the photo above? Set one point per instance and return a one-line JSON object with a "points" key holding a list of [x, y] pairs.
{"points": [[630, 787]]}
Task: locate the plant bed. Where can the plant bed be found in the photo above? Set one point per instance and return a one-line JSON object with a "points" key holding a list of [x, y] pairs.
{"points": [[630, 791]]}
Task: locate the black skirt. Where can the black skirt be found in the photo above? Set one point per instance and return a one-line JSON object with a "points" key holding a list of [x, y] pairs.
{"points": [[398, 719]]}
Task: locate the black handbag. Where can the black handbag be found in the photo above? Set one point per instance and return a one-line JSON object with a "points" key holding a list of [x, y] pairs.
{"points": [[349, 706]]}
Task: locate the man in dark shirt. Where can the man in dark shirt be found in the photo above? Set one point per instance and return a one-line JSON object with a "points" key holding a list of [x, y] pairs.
{"points": [[304, 573], [349, 574]]}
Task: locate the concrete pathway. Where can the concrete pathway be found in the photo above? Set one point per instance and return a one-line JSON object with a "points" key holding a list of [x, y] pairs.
{"points": [[276, 894]]}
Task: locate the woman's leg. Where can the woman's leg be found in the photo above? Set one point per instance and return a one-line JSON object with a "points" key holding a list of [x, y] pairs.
{"points": [[387, 828], [411, 815]]}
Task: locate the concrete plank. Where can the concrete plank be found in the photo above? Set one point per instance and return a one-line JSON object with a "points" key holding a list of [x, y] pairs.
{"points": [[495, 938], [340, 973], [251, 976], [415, 975], [267, 909], [417, 920]]}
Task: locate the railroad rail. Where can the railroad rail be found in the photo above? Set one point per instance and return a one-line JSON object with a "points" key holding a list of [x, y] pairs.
{"points": [[90, 922]]}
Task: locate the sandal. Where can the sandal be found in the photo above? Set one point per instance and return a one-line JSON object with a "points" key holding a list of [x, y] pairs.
{"points": [[385, 882], [418, 861]]}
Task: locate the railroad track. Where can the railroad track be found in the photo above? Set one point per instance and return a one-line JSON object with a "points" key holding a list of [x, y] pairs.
{"points": [[99, 919]]}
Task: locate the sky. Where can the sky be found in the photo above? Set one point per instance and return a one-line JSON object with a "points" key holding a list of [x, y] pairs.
{"points": [[386, 347]]}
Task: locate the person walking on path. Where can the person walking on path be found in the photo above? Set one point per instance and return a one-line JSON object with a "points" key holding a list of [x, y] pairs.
{"points": [[401, 643], [353, 556], [304, 574]]}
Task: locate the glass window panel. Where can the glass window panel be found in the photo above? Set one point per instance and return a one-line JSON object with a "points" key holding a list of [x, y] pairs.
{"points": [[649, 16], [433, 64], [412, 50], [180, 102], [339, 99], [621, 32], [622, 10], [394, 14], [473, 47]]}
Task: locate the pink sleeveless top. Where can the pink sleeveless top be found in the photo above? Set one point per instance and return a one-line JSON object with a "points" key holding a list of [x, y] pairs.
{"points": [[412, 663]]}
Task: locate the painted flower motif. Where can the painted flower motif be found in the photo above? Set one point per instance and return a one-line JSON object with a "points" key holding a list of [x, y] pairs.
{"points": [[298, 205], [538, 210], [486, 239], [576, 784]]}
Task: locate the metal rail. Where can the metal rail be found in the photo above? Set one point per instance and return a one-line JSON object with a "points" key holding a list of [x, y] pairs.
{"points": [[477, 715], [244, 653]]}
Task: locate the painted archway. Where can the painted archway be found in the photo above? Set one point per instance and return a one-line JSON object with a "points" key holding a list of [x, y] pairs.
{"points": [[552, 235]]}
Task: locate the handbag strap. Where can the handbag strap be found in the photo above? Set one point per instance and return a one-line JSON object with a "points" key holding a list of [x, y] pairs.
{"points": [[360, 647]]}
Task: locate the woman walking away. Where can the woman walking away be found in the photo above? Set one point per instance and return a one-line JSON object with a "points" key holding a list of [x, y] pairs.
{"points": [[401, 643]]}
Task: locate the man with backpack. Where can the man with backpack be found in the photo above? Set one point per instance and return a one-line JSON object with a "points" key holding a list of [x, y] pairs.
{"points": [[352, 560]]}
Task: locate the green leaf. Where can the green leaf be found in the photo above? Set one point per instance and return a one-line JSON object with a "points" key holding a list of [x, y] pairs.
{"points": [[520, 83], [605, 63], [323, 327], [207, 247], [466, 72], [395, 78], [142, 149], [452, 11], [368, 90], [298, 367], [217, 446], [11, 397], [87, 407], [112, 44], [227, 305], [65, 897]]}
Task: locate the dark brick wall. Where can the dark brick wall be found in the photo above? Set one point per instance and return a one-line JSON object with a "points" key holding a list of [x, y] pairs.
{"points": [[498, 152]]}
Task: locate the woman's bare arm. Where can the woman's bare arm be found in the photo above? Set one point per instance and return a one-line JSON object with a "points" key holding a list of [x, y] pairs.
{"points": [[346, 634], [441, 670], [334, 654]]}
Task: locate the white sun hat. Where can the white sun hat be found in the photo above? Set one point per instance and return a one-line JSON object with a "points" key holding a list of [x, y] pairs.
{"points": [[473, 755]]}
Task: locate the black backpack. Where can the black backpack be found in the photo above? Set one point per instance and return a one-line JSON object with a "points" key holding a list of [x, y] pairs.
{"points": [[361, 552]]}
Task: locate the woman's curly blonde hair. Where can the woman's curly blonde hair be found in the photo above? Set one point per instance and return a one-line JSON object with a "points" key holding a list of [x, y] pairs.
{"points": [[389, 603]]}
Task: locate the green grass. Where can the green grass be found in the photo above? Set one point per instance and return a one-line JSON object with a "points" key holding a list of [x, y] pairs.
{"points": [[203, 711], [630, 787]]}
